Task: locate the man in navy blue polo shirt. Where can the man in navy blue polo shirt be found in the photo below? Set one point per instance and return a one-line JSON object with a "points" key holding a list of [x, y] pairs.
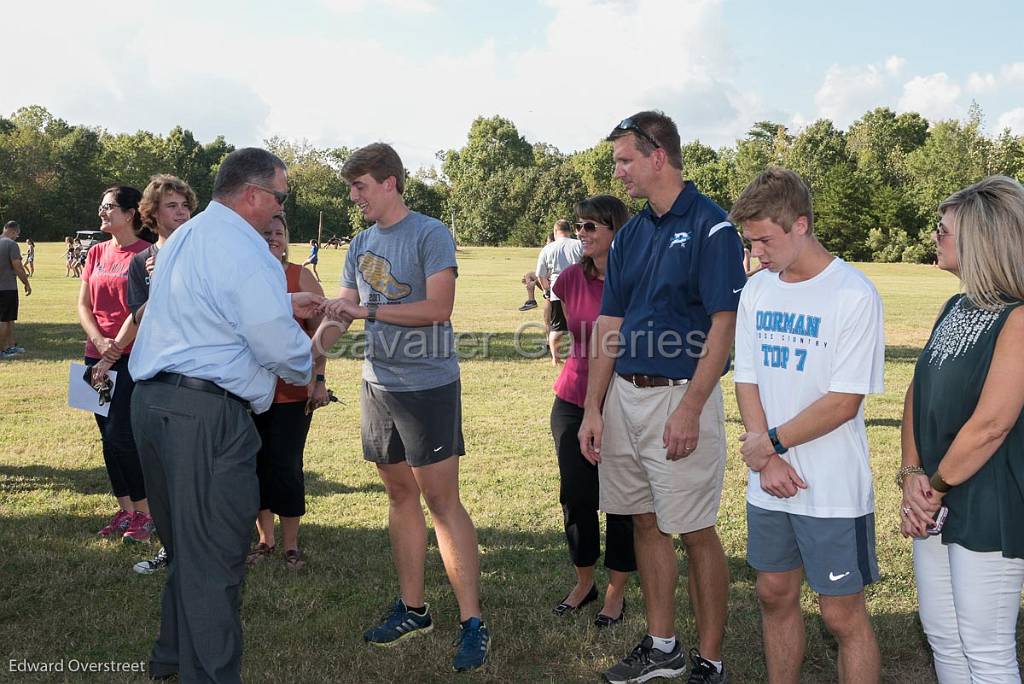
{"points": [[672, 287]]}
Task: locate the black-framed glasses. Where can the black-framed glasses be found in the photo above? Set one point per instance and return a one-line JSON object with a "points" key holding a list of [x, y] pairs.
{"points": [[588, 226], [281, 197], [108, 206], [628, 124]]}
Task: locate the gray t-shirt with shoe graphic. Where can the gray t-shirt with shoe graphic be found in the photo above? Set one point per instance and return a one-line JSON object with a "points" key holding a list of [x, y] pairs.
{"points": [[391, 266]]}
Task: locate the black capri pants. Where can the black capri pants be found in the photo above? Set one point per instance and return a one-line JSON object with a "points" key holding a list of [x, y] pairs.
{"points": [[282, 429], [119, 452], [579, 495]]}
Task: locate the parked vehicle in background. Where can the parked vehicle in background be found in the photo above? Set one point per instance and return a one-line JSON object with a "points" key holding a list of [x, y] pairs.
{"points": [[88, 238]]}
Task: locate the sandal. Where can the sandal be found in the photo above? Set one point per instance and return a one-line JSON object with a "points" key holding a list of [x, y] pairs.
{"points": [[259, 553], [293, 559]]}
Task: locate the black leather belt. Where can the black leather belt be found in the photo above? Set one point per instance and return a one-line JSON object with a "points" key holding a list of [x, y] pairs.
{"points": [[179, 380], [642, 381]]}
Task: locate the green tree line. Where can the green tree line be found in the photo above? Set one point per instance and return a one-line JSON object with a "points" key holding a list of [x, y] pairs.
{"points": [[876, 185]]}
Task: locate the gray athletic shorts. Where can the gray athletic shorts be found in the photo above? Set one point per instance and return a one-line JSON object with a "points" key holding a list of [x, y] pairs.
{"points": [[837, 554], [419, 428]]}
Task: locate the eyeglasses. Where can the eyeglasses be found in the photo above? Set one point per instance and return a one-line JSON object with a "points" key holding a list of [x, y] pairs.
{"points": [[281, 197], [941, 232], [108, 206], [588, 226], [628, 124]]}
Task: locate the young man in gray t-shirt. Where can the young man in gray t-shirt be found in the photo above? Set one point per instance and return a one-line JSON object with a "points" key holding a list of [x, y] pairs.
{"points": [[11, 270], [399, 277]]}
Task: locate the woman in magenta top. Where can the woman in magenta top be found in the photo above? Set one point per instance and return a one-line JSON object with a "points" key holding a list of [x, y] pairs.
{"points": [[580, 288], [102, 309]]}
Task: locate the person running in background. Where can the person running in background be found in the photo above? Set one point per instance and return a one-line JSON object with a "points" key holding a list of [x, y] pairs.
{"points": [[30, 257], [69, 257], [314, 258]]}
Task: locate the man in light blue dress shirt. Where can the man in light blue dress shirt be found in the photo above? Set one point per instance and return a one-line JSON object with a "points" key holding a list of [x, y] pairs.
{"points": [[218, 332]]}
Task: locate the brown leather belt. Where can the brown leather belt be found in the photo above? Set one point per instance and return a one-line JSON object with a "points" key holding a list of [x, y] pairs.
{"points": [[643, 381]]}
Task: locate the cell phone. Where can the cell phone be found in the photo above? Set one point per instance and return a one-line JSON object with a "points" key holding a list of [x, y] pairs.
{"points": [[938, 520]]}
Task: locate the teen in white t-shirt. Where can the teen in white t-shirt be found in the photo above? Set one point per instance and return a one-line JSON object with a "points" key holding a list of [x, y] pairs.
{"points": [[809, 347], [797, 342]]}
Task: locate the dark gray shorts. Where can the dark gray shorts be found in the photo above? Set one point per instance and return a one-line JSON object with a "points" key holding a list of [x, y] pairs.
{"points": [[8, 305], [418, 428], [837, 554]]}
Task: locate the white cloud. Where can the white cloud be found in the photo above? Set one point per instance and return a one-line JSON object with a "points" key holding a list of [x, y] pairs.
{"points": [[1013, 119], [934, 97], [353, 6], [1009, 76], [848, 92]]}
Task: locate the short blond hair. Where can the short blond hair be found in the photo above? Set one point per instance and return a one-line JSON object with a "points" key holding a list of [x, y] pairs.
{"points": [[989, 222], [159, 186], [778, 195]]}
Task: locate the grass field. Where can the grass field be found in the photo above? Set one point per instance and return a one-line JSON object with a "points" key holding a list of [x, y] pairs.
{"points": [[65, 594]]}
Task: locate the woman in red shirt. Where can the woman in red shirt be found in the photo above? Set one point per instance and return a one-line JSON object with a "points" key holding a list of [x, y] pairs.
{"points": [[283, 429], [580, 288], [102, 310]]}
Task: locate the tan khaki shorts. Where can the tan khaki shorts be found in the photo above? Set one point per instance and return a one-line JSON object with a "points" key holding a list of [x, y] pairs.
{"points": [[636, 475]]}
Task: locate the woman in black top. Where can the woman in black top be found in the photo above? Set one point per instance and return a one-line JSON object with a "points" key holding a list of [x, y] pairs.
{"points": [[963, 441]]}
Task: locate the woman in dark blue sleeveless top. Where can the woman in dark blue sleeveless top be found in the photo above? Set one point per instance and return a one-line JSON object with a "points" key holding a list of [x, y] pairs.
{"points": [[963, 441]]}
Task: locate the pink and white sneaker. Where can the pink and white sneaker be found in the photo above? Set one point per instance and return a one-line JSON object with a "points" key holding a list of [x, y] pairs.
{"points": [[140, 530], [119, 523]]}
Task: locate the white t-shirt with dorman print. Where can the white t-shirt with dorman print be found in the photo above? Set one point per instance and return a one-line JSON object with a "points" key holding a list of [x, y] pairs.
{"points": [[797, 342]]}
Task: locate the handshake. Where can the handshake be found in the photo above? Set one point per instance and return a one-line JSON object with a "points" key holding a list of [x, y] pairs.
{"points": [[310, 304]]}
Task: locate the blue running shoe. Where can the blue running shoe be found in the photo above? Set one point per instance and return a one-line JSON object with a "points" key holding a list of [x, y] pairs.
{"points": [[474, 641], [401, 623]]}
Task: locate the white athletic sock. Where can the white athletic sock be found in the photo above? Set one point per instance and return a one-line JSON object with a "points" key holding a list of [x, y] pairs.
{"points": [[663, 645], [716, 663]]}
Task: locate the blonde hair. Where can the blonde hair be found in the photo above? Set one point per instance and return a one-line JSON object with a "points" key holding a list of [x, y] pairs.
{"points": [[778, 195], [989, 221]]}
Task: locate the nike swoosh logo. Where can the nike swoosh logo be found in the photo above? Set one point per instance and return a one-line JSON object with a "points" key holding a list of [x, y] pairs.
{"points": [[438, 448], [735, 291], [835, 578]]}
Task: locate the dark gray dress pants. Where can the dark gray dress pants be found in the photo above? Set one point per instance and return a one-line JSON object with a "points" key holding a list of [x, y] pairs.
{"points": [[198, 455]]}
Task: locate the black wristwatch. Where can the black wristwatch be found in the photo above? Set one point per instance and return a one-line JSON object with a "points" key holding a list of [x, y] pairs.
{"points": [[320, 377], [773, 435], [371, 312]]}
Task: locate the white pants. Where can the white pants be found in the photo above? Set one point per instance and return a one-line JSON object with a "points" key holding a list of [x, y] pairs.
{"points": [[968, 606]]}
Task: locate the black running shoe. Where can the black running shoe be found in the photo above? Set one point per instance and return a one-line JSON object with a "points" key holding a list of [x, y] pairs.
{"points": [[646, 662], [703, 672], [158, 562]]}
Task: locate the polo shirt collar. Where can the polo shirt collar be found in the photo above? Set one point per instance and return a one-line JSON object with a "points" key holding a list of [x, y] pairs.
{"points": [[682, 204]]}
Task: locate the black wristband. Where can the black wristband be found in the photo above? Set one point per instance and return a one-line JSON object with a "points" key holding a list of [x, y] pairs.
{"points": [[320, 377], [773, 435]]}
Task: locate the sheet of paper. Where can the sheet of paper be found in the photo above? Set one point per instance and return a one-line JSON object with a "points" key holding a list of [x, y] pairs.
{"points": [[82, 396]]}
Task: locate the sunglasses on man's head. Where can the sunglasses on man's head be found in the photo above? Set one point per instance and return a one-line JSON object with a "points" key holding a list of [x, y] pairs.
{"points": [[628, 124], [588, 226]]}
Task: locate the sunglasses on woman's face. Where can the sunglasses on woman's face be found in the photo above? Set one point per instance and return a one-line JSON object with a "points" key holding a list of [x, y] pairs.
{"points": [[588, 226]]}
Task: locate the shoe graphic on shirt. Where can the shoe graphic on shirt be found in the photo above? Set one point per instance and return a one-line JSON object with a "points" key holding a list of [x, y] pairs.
{"points": [[376, 271]]}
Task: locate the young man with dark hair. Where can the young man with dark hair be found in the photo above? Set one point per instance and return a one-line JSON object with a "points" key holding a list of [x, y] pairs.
{"points": [[399, 277], [11, 270], [809, 347], [663, 338]]}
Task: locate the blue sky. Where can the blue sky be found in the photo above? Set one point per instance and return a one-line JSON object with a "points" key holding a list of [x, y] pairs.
{"points": [[416, 72]]}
